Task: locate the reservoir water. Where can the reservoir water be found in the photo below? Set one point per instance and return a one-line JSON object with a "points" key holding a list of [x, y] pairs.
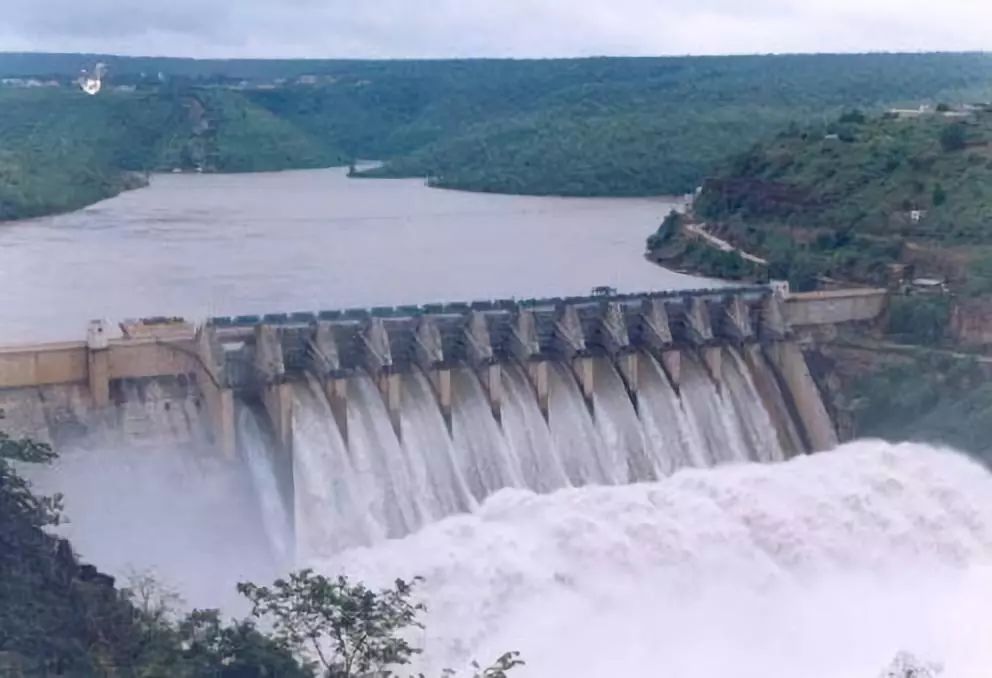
{"points": [[199, 245]]}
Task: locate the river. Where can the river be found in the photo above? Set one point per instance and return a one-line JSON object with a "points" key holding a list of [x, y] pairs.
{"points": [[201, 245]]}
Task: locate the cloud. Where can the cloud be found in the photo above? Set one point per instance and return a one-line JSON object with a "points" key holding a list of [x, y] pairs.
{"points": [[462, 28]]}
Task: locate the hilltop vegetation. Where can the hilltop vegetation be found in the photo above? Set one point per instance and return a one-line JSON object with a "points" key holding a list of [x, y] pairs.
{"points": [[607, 126]]}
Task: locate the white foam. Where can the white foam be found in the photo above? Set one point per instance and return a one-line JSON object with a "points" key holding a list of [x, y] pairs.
{"points": [[826, 566]]}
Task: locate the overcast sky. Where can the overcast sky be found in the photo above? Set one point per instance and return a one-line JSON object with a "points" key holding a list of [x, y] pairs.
{"points": [[443, 28]]}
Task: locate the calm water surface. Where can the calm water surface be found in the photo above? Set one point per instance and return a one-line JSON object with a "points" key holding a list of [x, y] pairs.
{"points": [[226, 244]]}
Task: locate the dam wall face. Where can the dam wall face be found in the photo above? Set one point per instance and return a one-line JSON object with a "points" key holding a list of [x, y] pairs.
{"points": [[207, 370], [835, 307], [253, 358]]}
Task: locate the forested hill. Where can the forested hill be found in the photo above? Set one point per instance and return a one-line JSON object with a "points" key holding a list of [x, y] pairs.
{"points": [[61, 149], [607, 126], [847, 199], [642, 127]]}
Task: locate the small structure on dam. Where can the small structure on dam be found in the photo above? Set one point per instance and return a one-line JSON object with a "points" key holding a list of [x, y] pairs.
{"points": [[256, 359]]}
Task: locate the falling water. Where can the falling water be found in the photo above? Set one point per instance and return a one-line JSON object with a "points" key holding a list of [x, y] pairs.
{"points": [[755, 423], [382, 483], [429, 449], [486, 460], [764, 379], [333, 502], [705, 405], [257, 450], [573, 433], [527, 434], [673, 440], [376, 452], [625, 457]]}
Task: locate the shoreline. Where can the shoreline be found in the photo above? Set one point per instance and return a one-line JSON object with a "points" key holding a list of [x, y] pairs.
{"points": [[148, 177], [129, 181], [660, 197]]}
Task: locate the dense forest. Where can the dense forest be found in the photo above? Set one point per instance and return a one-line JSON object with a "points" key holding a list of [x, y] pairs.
{"points": [[606, 126]]}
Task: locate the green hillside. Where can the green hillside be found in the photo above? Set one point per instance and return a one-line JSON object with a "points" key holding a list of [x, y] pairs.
{"points": [[848, 198], [659, 126], [867, 175], [61, 149]]}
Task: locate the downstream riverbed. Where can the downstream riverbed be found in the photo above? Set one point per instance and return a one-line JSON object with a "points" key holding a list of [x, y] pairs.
{"points": [[200, 245]]}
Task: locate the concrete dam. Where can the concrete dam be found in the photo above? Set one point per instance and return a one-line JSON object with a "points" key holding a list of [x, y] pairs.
{"points": [[359, 425]]}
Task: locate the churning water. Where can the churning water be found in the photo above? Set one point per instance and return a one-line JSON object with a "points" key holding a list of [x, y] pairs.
{"points": [[822, 567]]}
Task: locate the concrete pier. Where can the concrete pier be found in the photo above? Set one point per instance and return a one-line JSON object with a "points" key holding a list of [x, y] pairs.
{"points": [[336, 391], [98, 363], [791, 367], [671, 361], [538, 373]]}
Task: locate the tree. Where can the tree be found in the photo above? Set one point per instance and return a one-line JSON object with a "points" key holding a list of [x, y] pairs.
{"points": [[979, 276], [852, 117], [502, 666], [954, 137], [906, 665], [919, 319], [351, 629], [669, 228], [939, 195], [236, 650], [798, 266], [19, 507], [25, 553]]}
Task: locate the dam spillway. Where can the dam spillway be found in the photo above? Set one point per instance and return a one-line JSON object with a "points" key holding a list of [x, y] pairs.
{"points": [[368, 424]]}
